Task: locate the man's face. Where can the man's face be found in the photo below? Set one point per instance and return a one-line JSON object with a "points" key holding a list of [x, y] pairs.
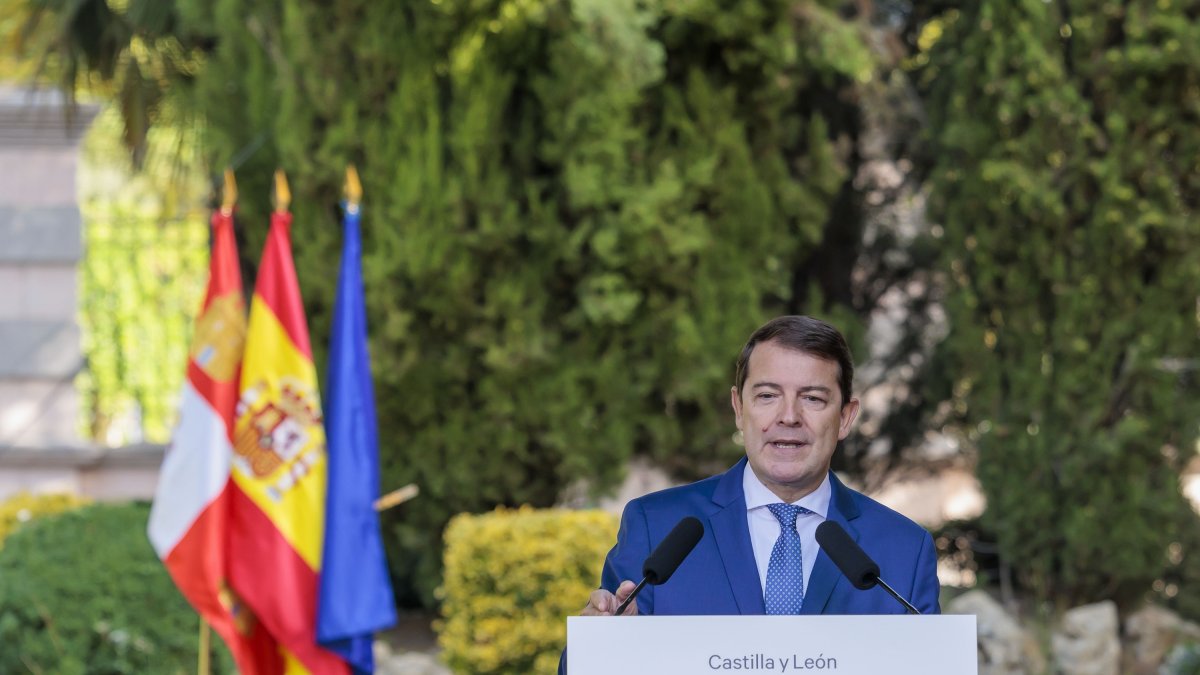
{"points": [[791, 415]]}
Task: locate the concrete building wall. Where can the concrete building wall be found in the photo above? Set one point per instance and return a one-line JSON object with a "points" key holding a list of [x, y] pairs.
{"points": [[41, 247], [99, 473]]}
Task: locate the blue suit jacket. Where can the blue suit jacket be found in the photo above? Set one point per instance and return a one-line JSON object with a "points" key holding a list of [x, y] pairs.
{"points": [[720, 575]]}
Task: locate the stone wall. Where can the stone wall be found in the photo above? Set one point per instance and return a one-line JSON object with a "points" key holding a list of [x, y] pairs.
{"points": [[41, 246], [40, 249]]}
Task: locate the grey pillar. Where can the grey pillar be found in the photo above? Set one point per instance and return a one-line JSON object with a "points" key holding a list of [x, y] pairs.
{"points": [[40, 249]]}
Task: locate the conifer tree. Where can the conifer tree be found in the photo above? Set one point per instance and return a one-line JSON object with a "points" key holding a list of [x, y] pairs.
{"points": [[575, 212], [1066, 178]]}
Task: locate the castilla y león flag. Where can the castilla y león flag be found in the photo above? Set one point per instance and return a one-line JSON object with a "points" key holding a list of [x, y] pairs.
{"points": [[189, 522], [280, 465]]}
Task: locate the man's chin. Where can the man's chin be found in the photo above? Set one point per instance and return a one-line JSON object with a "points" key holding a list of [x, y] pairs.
{"points": [[791, 476]]}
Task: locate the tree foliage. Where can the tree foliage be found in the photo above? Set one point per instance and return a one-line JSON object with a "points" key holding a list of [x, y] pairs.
{"points": [[141, 281], [575, 208], [575, 212], [1066, 177], [131, 52]]}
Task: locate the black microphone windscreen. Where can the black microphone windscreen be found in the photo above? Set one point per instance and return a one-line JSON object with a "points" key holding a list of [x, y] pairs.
{"points": [[847, 555], [676, 546]]}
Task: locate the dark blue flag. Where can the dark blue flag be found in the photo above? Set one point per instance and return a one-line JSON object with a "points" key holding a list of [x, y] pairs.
{"points": [[356, 593]]}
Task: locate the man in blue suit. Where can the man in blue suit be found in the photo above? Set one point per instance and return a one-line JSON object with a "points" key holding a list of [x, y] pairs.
{"points": [[792, 404]]}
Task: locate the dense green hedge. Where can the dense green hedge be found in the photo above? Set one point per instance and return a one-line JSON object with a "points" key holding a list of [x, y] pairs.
{"points": [[82, 592], [512, 577], [1066, 179], [575, 213]]}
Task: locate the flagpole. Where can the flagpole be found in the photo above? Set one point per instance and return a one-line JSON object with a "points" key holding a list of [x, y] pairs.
{"points": [[204, 647], [202, 665]]}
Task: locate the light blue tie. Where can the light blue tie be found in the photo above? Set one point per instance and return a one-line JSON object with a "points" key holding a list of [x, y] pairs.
{"points": [[785, 573]]}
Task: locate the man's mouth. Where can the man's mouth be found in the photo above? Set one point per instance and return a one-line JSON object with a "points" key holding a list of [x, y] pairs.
{"points": [[788, 445]]}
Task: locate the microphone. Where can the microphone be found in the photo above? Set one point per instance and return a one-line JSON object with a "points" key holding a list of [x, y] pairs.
{"points": [[663, 561], [853, 561]]}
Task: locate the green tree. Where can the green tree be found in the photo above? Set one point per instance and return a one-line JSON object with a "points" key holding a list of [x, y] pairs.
{"points": [[575, 212], [1066, 178], [130, 52]]}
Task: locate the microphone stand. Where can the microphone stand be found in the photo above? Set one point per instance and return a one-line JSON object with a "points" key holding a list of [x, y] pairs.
{"points": [[636, 589], [894, 594]]}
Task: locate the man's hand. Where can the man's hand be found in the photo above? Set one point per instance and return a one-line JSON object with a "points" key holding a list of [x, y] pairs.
{"points": [[603, 603]]}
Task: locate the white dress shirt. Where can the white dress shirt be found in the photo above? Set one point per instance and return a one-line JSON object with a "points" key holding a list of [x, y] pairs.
{"points": [[764, 526]]}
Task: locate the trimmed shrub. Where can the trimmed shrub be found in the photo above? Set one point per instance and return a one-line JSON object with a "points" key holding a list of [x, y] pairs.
{"points": [[24, 507], [82, 592], [512, 577]]}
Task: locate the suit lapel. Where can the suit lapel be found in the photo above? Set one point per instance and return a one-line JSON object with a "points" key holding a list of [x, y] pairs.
{"points": [[826, 576], [732, 534]]}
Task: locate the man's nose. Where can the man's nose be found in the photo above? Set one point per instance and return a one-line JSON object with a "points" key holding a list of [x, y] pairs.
{"points": [[790, 416]]}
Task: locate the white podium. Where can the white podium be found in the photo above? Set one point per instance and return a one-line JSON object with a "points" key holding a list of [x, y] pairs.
{"points": [[843, 645]]}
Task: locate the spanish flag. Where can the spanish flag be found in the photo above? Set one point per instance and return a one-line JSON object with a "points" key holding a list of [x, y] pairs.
{"points": [[189, 521], [279, 465]]}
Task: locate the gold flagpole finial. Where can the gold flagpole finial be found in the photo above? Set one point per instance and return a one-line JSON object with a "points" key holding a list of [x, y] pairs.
{"points": [[353, 188], [229, 193], [283, 196]]}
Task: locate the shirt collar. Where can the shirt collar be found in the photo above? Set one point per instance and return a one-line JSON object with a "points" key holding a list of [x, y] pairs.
{"points": [[759, 495]]}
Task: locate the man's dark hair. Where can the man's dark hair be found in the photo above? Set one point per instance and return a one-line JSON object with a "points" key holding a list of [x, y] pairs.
{"points": [[803, 334]]}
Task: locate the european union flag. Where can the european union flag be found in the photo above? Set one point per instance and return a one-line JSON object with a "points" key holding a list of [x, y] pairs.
{"points": [[356, 593]]}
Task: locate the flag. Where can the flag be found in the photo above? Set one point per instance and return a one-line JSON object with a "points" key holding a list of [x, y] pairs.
{"points": [[279, 465], [189, 520], [356, 593]]}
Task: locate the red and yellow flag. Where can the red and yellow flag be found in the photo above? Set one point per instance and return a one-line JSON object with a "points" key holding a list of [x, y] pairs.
{"points": [[279, 465], [189, 521]]}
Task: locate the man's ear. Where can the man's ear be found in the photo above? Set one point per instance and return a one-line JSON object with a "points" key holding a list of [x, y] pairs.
{"points": [[736, 401], [849, 413]]}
